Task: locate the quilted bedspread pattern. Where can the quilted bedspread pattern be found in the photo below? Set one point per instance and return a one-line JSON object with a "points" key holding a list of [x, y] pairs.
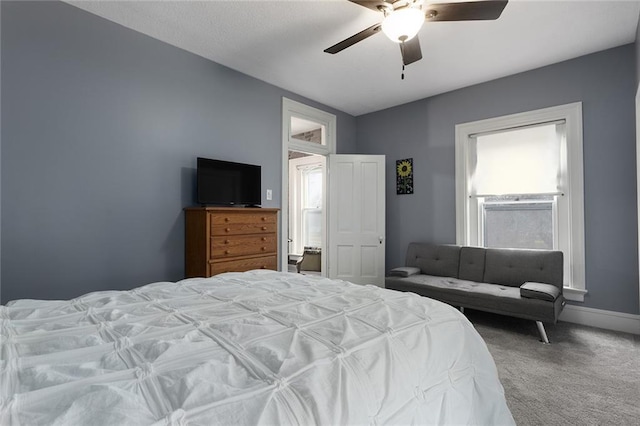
{"points": [[259, 347]]}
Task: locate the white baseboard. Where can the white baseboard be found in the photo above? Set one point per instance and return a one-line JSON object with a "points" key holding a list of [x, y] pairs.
{"points": [[609, 320]]}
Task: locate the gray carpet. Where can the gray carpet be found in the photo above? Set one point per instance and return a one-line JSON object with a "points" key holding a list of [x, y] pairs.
{"points": [[586, 376]]}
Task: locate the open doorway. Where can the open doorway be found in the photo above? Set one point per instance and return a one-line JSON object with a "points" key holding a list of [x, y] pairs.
{"points": [[308, 138], [306, 206], [352, 212]]}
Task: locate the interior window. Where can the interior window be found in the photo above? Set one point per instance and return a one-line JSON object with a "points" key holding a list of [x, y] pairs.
{"points": [[312, 207], [515, 181], [305, 201], [519, 185], [307, 131], [519, 221]]}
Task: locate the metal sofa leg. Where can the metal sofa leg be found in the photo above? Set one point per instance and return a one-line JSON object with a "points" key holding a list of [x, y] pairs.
{"points": [[543, 334]]}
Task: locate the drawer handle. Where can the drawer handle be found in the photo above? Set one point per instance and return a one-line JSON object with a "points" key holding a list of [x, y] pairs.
{"points": [[264, 248], [226, 219], [226, 241], [227, 229], [264, 228], [264, 218], [226, 252], [264, 238], [263, 267]]}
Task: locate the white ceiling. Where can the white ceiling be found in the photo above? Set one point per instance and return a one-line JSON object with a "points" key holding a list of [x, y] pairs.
{"points": [[282, 43]]}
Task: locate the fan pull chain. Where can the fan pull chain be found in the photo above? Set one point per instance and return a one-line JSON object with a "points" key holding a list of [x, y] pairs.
{"points": [[402, 52]]}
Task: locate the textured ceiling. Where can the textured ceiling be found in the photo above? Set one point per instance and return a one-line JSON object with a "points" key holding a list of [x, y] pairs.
{"points": [[282, 43]]}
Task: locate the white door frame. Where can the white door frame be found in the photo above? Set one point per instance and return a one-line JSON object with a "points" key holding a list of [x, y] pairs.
{"points": [[291, 109]]}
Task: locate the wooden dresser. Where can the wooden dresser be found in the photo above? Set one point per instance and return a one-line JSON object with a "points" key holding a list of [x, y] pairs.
{"points": [[226, 239]]}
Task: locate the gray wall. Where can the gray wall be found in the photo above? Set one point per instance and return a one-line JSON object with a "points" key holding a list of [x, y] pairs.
{"points": [[637, 44], [101, 129], [605, 82], [0, 157]]}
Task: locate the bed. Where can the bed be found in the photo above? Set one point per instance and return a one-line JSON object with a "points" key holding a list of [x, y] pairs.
{"points": [[259, 347]]}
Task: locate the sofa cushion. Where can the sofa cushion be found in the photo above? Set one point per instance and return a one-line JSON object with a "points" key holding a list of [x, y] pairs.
{"points": [[539, 291], [404, 271], [471, 263], [514, 267], [432, 259]]}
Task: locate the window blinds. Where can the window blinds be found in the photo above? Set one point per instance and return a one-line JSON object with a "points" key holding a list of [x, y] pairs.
{"points": [[518, 161]]}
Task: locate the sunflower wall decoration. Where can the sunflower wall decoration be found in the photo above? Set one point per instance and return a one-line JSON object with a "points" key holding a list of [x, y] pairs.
{"points": [[404, 176]]}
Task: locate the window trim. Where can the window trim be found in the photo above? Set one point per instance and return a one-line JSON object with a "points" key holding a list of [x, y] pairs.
{"points": [[575, 285]]}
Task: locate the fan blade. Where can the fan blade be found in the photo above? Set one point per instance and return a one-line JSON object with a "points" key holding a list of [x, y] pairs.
{"points": [[354, 39], [411, 51], [377, 5], [469, 11]]}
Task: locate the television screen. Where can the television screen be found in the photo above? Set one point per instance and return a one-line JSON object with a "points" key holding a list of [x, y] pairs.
{"points": [[228, 184]]}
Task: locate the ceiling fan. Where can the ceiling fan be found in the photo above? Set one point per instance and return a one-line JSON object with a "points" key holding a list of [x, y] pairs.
{"points": [[404, 18]]}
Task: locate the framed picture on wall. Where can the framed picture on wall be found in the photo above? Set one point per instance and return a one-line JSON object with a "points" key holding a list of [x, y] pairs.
{"points": [[404, 176]]}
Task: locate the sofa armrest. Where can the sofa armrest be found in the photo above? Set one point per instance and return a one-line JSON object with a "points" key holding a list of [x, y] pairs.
{"points": [[541, 291], [404, 271]]}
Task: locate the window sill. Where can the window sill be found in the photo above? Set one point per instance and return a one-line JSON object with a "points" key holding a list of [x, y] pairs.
{"points": [[574, 294]]}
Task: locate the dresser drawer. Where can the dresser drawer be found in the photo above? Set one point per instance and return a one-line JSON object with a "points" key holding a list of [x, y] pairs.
{"points": [[241, 265], [235, 223], [242, 245]]}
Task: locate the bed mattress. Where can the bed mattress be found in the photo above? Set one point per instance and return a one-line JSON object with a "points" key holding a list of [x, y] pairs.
{"points": [[258, 347]]}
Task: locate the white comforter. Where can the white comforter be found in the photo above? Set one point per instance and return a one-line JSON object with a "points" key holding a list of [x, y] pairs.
{"points": [[245, 348]]}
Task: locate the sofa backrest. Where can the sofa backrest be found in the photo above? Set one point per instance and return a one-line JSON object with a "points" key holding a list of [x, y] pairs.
{"points": [[472, 261], [509, 267], [434, 259], [514, 267]]}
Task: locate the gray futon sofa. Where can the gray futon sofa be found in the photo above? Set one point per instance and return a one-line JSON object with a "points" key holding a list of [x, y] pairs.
{"points": [[516, 282]]}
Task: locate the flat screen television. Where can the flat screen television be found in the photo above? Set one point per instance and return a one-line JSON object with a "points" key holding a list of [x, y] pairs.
{"points": [[224, 183]]}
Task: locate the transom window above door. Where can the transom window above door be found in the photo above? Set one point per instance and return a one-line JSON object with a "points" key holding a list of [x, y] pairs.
{"points": [[307, 129]]}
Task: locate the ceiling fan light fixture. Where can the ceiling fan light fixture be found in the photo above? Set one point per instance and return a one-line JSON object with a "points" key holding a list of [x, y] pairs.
{"points": [[402, 25]]}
